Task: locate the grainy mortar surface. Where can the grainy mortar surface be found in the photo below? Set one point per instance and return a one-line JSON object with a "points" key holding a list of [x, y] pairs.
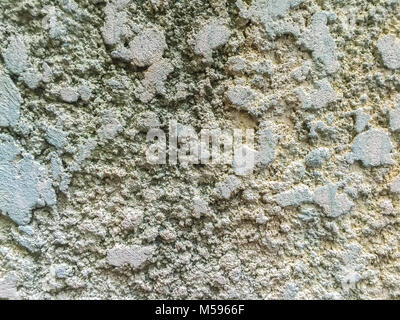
{"points": [[84, 215]]}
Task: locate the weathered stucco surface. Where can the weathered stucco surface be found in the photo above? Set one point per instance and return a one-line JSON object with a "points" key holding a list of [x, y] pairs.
{"points": [[84, 215]]}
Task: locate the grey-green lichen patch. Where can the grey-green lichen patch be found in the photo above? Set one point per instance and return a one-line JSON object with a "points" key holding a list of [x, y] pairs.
{"points": [[147, 47], [389, 48], [320, 42], [362, 120], [10, 102], [135, 256], [317, 157], [244, 160], [210, 37], [8, 288], [200, 207], [241, 96], [68, 94], [16, 56], [268, 141], [270, 14], [229, 187], [58, 173], [55, 29], [31, 78], [394, 116], [333, 203], [395, 185], [110, 126], [147, 120], [154, 78], [56, 137], [23, 184], [85, 92], [319, 98], [16, 60], [301, 73], [115, 25], [295, 197], [373, 148]]}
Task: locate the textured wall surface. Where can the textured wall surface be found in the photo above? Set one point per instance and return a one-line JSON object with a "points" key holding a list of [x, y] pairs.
{"points": [[83, 214]]}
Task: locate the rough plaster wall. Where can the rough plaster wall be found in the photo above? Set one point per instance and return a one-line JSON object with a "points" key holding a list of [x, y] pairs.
{"points": [[83, 215]]}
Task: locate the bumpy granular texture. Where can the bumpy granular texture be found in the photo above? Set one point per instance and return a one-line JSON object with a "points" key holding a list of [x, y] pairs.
{"points": [[83, 214]]}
